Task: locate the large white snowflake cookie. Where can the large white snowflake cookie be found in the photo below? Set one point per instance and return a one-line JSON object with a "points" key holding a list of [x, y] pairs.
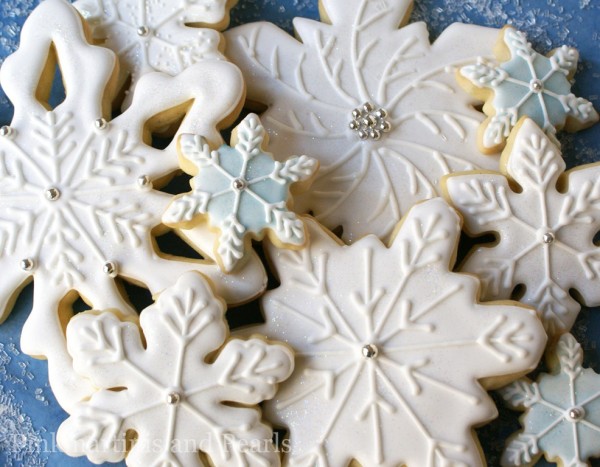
{"points": [[150, 35], [562, 412], [525, 83], [77, 205], [545, 221], [389, 347], [169, 387], [378, 106], [241, 192]]}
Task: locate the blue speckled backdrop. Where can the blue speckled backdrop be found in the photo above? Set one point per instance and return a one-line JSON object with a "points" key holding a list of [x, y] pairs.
{"points": [[29, 414]]}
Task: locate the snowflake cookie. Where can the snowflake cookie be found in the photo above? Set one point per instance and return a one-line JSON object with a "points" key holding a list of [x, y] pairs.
{"points": [[151, 35], [562, 412], [389, 347], [173, 392], [77, 204], [526, 83], [545, 221], [242, 192], [378, 106]]}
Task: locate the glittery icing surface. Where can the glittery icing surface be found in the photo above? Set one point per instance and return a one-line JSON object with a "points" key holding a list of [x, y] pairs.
{"points": [[29, 414]]}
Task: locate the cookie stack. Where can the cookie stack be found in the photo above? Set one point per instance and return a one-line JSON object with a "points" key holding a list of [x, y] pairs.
{"points": [[367, 163]]}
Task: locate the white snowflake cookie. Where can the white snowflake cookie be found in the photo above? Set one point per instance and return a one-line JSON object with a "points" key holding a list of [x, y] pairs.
{"points": [[176, 396], [562, 412], [389, 347], [78, 209], [150, 35], [524, 83], [545, 221], [241, 192], [378, 106]]}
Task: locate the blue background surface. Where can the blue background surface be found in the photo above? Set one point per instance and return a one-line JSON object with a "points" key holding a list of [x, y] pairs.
{"points": [[29, 415]]}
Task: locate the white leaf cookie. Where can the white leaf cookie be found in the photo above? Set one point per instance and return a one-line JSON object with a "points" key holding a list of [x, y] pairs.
{"points": [[175, 400], [562, 412], [378, 106], [389, 347], [77, 204], [525, 83], [545, 221], [241, 191], [150, 35]]}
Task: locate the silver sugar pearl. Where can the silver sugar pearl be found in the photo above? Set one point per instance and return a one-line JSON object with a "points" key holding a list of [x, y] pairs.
{"points": [[576, 414], [354, 125], [144, 181], [363, 134], [537, 85], [368, 107], [101, 124], [27, 264], [173, 398], [385, 127], [143, 31], [548, 238], [370, 351], [6, 131], [110, 269], [381, 113], [238, 184], [376, 135], [52, 194], [356, 113]]}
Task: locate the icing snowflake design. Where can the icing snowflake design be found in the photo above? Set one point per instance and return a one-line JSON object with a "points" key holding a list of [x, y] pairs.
{"points": [[150, 35], [527, 84], [168, 394], [389, 345], [378, 106], [242, 191], [545, 230], [562, 412], [77, 204]]}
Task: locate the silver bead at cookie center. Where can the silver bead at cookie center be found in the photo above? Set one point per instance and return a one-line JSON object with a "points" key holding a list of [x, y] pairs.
{"points": [[238, 184], [110, 269], [576, 414], [537, 85], [144, 181], [6, 131], [370, 123], [173, 398], [548, 238], [27, 264], [370, 351], [101, 124], [143, 31], [52, 194]]}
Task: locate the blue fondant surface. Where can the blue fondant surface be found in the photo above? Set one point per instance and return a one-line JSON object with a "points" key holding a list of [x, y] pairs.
{"points": [[29, 414]]}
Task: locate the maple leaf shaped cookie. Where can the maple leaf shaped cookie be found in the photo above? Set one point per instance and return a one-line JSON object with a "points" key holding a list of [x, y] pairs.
{"points": [[241, 191], [77, 204], [176, 401], [545, 221], [389, 347], [562, 412], [378, 106], [150, 35], [526, 84]]}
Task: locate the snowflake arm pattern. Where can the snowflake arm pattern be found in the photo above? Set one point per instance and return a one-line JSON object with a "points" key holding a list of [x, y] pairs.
{"points": [[241, 191], [562, 412], [545, 220], [77, 203], [378, 106], [152, 36], [389, 347], [526, 84], [170, 396]]}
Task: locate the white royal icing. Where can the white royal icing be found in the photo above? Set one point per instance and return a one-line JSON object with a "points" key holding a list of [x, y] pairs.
{"points": [[150, 35], [545, 232], [529, 84], [417, 126], [562, 412], [77, 207], [389, 347], [242, 191], [169, 394]]}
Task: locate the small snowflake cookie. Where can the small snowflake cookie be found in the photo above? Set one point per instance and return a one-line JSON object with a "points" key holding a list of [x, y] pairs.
{"points": [[389, 347], [241, 191], [545, 221], [150, 35], [169, 387], [562, 412], [378, 106], [78, 209], [526, 83]]}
